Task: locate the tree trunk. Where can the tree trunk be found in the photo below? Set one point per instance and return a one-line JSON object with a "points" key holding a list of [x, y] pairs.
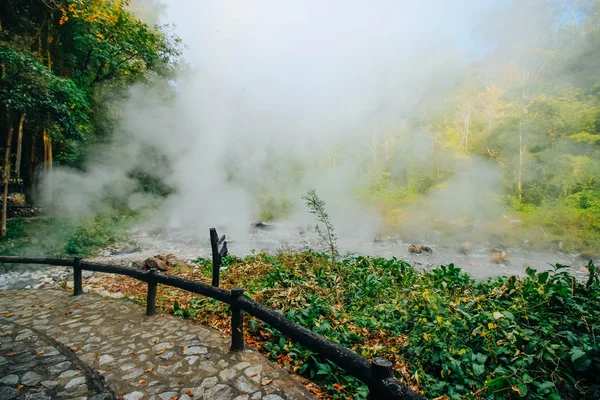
{"points": [[31, 181], [6, 173], [19, 147], [520, 170], [48, 164]]}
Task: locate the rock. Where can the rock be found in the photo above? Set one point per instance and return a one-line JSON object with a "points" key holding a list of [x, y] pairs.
{"points": [[138, 265], [241, 365], [31, 379], [48, 384], [227, 374], [75, 382], [182, 265], [105, 359], [244, 385], [10, 380], [68, 374], [419, 249], [171, 260], [125, 250], [157, 263], [219, 392], [58, 368], [161, 257], [133, 396], [465, 248], [8, 393], [195, 350], [209, 382], [500, 257], [262, 225]]}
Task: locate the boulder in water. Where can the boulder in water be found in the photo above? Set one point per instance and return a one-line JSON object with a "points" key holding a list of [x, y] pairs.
{"points": [[262, 225], [465, 248], [500, 257], [419, 249]]}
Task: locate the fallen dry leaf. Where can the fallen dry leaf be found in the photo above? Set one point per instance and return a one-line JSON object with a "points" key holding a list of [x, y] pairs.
{"points": [[189, 393], [149, 369], [265, 382], [40, 352], [161, 351], [185, 347], [142, 380], [12, 353], [338, 386], [78, 305], [253, 375], [8, 315], [74, 348], [20, 387], [52, 308], [3, 329]]}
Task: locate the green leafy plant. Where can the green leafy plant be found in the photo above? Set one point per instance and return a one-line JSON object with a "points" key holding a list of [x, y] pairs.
{"points": [[316, 206]]}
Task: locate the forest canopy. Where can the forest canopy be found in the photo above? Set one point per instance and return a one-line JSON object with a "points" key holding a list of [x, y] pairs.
{"points": [[59, 59]]}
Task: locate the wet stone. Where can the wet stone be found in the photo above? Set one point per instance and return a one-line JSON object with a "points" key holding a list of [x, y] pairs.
{"points": [[75, 382], [191, 359], [31, 379], [194, 350], [167, 355], [168, 369], [218, 392], [37, 396], [227, 374], [134, 396], [105, 359], [244, 385], [8, 393], [68, 374], [10, 380], [209, 382], [168, 395], [242, 365], [48, 384], [135, 374]]}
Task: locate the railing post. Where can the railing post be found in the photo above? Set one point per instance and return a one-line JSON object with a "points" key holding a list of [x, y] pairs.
{"points": [[151, 299], [216, 257], [237, 321], [380, 369], [77, 277]]}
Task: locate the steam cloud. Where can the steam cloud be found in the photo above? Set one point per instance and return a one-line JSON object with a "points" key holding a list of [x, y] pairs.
{"points": [[273, 89]]}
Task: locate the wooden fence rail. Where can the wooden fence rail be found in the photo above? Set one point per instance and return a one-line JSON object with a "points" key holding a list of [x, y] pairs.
{"points": [[377, 374]]}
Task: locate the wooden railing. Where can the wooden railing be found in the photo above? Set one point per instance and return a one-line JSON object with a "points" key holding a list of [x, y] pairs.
{"points": [[377, 374]]}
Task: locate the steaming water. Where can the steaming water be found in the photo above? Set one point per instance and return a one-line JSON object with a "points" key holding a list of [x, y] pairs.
{"points": [[281, 237]]}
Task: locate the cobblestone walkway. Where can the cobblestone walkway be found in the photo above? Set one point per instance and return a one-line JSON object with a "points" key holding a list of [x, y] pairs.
{"points": [[156, 358]]}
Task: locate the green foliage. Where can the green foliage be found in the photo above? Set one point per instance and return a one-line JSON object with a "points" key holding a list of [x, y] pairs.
{"points": [[64, 236], [532, 337], [186, 313], [316, 206]]}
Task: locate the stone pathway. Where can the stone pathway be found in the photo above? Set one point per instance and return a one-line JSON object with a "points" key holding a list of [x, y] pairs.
{"points": [[156, 358], [35, 366]]}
